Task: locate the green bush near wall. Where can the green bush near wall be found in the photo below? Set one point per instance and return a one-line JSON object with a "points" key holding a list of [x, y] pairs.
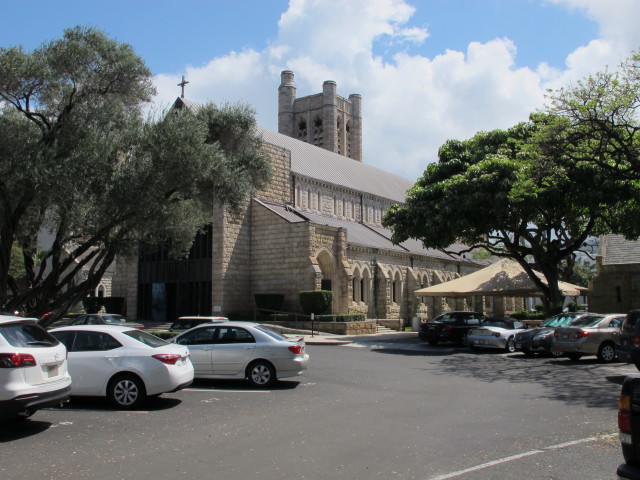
{"points": [[527, 315], [354, 317], [317, 302]]}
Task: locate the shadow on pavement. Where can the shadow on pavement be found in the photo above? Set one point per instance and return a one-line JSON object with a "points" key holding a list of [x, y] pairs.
{"points": [[238, 385], [11, 430]]}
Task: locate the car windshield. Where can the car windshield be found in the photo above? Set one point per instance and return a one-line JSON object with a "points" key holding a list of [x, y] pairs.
{"points": [[271, 333], [447, 318], [495, 323], [114, 318], [588, 321], [558, 321], [146, 338]]}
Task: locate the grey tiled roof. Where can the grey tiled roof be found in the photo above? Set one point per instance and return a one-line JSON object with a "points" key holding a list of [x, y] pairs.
{"points": [[325, 166], [363, 235], [615, 249]]}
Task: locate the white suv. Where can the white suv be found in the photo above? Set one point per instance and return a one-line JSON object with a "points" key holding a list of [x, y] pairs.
{"points": [[33, 368]]}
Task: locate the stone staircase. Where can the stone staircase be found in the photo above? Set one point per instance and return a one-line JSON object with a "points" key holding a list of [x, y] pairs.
{"points": [[383, 329]]}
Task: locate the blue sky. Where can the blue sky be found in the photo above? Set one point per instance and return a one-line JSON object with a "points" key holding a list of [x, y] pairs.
{"points": [[427, 70]]}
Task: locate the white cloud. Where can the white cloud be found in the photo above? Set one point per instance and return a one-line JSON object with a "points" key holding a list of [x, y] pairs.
{"points": [[411, 103]]}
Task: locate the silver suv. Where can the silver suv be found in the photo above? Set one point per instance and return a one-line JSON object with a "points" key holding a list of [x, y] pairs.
{"points": [[33, 368]]}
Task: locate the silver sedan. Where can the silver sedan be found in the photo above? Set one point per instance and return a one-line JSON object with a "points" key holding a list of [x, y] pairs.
{"points": [[243, 350], [592, 335], [496, 333]]}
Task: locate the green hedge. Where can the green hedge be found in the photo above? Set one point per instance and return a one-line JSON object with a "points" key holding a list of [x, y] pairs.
{"points": [[527, 315], [354, 317], [317, 302]]}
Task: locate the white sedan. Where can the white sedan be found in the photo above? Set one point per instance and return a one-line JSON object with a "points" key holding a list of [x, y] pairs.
{"points": [[244, 350], [496, 333], [122, 363]]}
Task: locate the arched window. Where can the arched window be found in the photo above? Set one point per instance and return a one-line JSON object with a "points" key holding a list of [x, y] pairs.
{"points": [[302, 129], [318, 132], [348, 148], [340, 135], [101, 291], [396, 288]]}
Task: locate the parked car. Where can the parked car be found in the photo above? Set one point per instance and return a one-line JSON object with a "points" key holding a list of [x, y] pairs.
{"points": [[629, 428], [103, 319], [590, 335], [124, 364], [450, 327], [628, 347], [540, 339], [33, 368], [244, 350], [185, 323], [496, 333]]}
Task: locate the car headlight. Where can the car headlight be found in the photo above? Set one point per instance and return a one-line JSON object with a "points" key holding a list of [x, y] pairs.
{"points": [[542, 336]]}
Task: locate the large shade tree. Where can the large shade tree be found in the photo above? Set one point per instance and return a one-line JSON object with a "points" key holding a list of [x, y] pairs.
{"points": [[81, 165], [530, 193]]}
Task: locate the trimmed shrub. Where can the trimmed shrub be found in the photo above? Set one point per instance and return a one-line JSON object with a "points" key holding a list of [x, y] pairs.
{"points": [[110, 304], [317, 302], [269, 301], [354, 317], [92, 304]]}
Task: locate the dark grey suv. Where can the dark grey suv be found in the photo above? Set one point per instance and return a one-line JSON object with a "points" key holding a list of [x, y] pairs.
{"points": [[628, 349]]}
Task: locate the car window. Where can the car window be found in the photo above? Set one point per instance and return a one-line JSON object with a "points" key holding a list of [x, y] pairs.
{"points": [[114, 319], [472, 321], [234, 335], [587, 321], [27, 334], [616, 322], [200, 336], [82, 320], [146, 338], [94, 342], [271, 333], [518, 324], [93, 320], [495, 323], [65, 337]]}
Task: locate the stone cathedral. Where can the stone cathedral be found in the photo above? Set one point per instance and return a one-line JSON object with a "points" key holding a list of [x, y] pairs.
{"points": [[318, 226]]}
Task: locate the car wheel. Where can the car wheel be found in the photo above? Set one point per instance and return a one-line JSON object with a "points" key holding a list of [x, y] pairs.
{"points": [[126, 391], [432, 342], [510, 346], [555, 353], [607, 352], [574, 356], [261, 374]]}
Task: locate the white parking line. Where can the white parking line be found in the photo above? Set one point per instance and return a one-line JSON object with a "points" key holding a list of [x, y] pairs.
{"points": [[521, 455], [223, 391]]}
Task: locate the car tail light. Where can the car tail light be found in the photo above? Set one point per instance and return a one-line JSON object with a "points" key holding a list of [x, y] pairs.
{"points": [[295, 349], [580, 334], [495, 334], [629, 420], [16, 360], [636, 340], [168, 358]]}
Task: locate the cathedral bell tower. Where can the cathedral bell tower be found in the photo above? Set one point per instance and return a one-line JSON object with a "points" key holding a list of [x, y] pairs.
{"points": [[325, 120]]}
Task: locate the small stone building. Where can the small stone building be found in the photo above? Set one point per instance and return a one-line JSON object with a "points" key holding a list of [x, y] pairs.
{"points": [[318, 226], [616, 286]]}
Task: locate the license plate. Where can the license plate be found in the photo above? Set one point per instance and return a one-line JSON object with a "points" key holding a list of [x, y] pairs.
{"points": [[50, 370], [565, 335]]}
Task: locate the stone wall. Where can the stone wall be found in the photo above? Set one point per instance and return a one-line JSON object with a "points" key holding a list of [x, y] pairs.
{"points": [[615, 288]]}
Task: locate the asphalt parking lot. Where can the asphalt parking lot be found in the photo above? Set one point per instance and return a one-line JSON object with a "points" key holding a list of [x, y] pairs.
{"points": [[381, 407]]}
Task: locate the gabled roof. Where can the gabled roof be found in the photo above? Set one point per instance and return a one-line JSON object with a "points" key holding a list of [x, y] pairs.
{"points": [[324, 166], [616, 250], [361, 234]]}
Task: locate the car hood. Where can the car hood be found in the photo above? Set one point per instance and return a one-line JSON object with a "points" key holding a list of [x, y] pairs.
{"points": [[532, 332]]}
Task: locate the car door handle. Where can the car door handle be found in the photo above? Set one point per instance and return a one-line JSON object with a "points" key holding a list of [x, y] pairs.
{"points": [[248, 348], [112, 356]]}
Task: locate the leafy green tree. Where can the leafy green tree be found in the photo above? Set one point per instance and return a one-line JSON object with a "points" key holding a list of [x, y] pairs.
{"points": [[79, 163], [602, 111], [527, 193]]}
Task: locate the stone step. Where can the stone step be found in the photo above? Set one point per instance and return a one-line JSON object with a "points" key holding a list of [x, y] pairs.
{"points": [[383, 329]]}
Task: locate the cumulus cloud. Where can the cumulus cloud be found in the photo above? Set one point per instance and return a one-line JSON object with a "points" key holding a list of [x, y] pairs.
{"points": [[411, 103]]}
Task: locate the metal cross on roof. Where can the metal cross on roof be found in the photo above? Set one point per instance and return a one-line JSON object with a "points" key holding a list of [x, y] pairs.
{"points": [[182, 84]]}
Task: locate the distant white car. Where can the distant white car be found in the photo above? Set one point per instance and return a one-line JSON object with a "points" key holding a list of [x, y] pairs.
{"points": [[244, 350], [496, 333], [123, 363], [33, 368]]}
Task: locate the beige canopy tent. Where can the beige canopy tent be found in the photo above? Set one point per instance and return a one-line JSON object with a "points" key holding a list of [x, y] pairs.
{"points": [[504, 278]]}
